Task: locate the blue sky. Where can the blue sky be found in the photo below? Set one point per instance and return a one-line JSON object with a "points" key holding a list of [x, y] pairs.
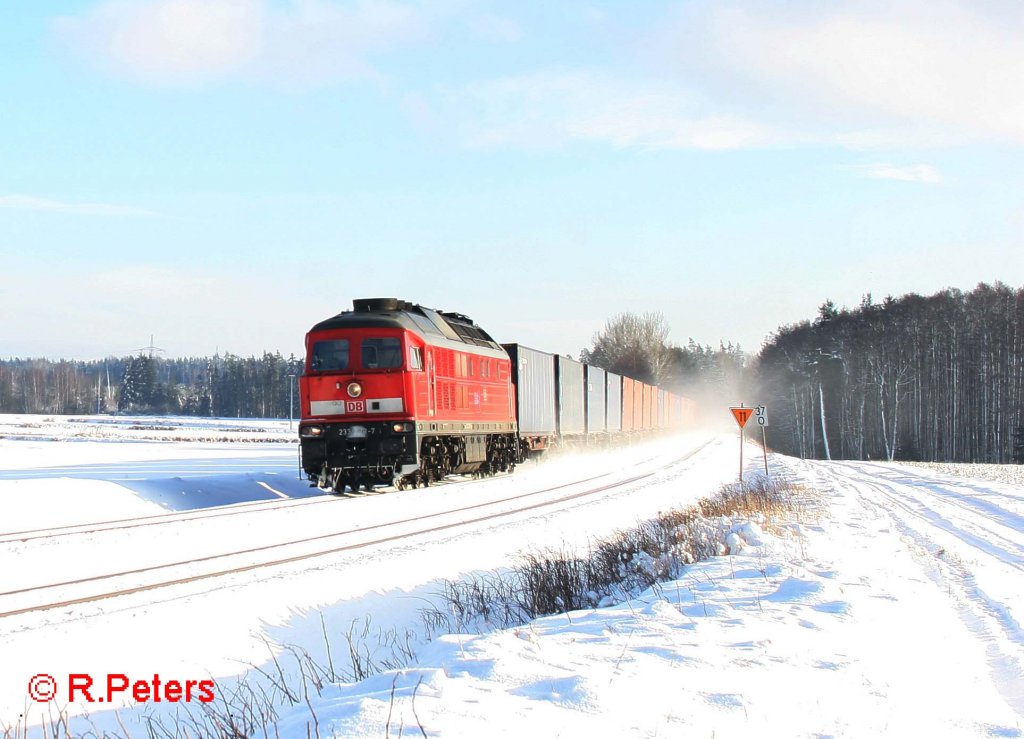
{"points": [[222, 174]]}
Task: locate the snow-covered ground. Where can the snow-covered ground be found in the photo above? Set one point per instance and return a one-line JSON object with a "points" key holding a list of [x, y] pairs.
{"points": [[893, 607], [144, 428]]}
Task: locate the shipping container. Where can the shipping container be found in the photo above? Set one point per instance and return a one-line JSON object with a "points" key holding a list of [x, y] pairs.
{"points": [[638, 406], [628, 401], [613, 402], [596, 401], [533, 373], [648, 404], [571, 397], [689, 413]]}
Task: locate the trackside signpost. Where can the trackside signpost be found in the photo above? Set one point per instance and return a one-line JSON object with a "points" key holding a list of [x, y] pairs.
{"points": [[762, 420], [742, 415]]}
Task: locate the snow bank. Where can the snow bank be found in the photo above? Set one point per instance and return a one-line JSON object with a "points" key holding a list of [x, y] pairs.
{"points": [[827, 630]]}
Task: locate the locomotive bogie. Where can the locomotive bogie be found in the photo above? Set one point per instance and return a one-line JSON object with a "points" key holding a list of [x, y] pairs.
{"points": [[340, 454]]}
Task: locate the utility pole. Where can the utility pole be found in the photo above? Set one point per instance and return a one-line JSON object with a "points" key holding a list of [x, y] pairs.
{"points": [[291, 400], [150, 348]]}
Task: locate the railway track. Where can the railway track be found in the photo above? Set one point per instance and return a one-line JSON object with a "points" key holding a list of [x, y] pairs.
{"points": [[159, 519], [83, 590], [198, 514]]}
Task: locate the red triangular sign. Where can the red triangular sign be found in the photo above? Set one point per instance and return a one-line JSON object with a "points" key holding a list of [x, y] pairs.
{"points": [[742, 415]]}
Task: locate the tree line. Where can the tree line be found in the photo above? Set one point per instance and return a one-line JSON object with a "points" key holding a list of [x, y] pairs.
{"points": [[227, 385], [937, 378]]}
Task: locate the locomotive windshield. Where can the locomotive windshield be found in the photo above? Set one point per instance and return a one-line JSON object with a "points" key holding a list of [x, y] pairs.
{"points": [[381, 353], [329, 356]]}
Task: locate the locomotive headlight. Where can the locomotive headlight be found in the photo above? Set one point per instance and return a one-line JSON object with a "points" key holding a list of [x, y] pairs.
{"points": [[354, 390], [311, 432], [399, 428]]}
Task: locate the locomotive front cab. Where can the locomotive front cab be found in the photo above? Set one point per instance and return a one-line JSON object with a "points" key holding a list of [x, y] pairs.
{"points": [[396, 393], [357, 399]]}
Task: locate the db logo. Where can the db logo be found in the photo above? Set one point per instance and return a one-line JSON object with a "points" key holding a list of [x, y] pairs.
{"points": [[355, 406]]}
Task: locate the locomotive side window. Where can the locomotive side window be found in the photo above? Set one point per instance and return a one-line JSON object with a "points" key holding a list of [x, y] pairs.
{"points": [[381, 353], [415, 358], [329, 356]]}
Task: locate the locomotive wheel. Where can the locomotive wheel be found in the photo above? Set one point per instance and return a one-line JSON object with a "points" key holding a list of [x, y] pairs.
{"points": [[337, 483]]}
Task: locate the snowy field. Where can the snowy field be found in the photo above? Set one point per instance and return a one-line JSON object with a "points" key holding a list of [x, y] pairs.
{"points": [[144, 428], [892, 606]]}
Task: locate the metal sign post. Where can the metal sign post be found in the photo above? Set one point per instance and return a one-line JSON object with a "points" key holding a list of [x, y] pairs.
{"points": [[742, 415], [291, 400], [762, 421]]}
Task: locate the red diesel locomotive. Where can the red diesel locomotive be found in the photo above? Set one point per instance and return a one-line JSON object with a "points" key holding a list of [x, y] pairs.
{"points": [[395, 393]]}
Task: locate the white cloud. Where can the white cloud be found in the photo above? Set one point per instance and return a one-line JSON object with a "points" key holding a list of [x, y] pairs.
{"points": [[28, 202], [552, 108], [737, 74], [876, 74], [193, 42], [953, 69], [924, 173], [169, 39]]}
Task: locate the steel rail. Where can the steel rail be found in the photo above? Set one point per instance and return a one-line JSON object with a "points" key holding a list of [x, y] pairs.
{"points": [[330, 550], [203, 514]]}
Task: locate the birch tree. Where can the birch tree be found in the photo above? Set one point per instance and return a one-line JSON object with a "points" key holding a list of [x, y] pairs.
{"points": [[632, 345]]}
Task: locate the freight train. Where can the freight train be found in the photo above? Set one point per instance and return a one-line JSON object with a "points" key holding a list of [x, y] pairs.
{"points": [[394, 393]]}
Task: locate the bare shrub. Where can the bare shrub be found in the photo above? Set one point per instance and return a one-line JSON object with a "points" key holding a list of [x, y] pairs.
{"points": [[553, 581], [768, 498]]}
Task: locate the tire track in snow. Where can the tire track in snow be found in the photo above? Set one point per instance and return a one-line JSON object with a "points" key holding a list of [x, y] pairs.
{"points": [[985, 617], [920, 500], [969, 504]]}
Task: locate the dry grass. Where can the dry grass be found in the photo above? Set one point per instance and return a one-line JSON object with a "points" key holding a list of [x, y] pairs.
{"points": [[552, 581]]}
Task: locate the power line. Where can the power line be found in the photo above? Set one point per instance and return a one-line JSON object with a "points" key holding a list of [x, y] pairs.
{"points": [[151, 348]]}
